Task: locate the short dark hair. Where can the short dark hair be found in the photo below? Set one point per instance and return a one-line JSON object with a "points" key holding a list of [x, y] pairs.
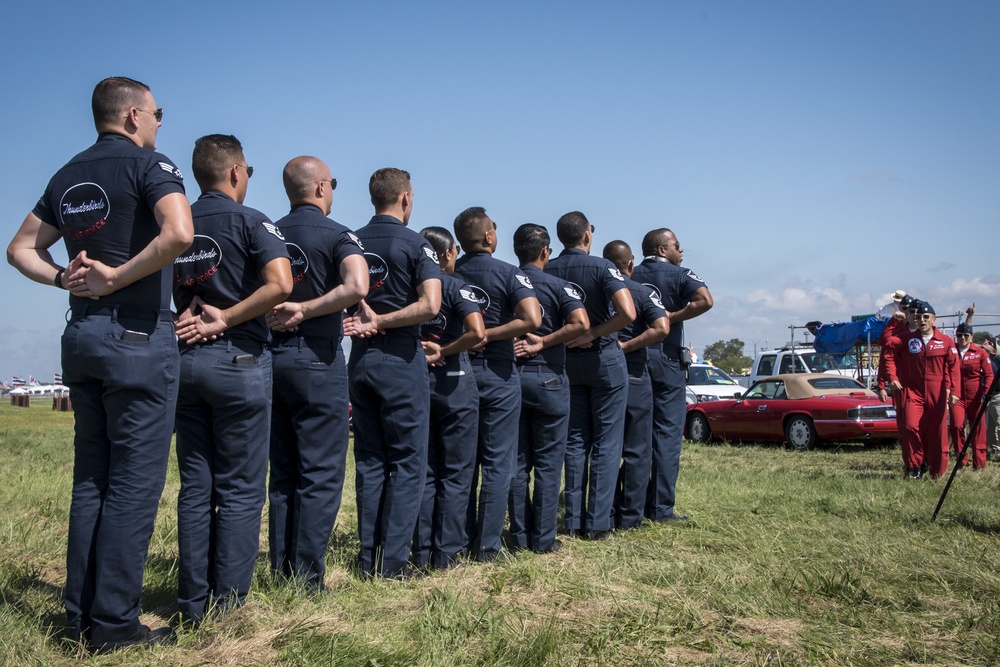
{"points": [[653, 240], [618, 253], [469, 226], [571, 228], [386, 185], [529, 241], [113, 95], [439, 238], [214, 155]]}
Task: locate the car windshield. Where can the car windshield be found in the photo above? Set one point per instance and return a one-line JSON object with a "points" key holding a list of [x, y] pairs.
{"points": [[835, 382], [708, 375], [820, 362]]}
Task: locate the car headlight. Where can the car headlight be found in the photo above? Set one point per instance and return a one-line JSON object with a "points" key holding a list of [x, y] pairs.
{"points": [[707, 397]]}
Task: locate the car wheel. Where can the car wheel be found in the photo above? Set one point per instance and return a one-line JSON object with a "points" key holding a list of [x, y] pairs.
{"points": [[698, 428], [801, 433]]}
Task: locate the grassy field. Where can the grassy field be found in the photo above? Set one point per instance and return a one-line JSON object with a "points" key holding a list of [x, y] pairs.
{"points": [[825, 558]]}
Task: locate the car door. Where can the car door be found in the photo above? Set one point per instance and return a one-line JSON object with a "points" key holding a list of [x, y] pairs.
{"points": [[761, 411]]}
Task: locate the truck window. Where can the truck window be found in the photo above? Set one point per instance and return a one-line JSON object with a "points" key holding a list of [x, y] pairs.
{"points": [[766, 365]]}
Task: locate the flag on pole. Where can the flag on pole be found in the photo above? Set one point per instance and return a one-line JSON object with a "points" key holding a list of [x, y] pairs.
{"points": [[17, 382], [32, 382], [57, 378]]}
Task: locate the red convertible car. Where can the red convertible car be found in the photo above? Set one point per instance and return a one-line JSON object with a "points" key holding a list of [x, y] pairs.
{"points": [[800, 408]]}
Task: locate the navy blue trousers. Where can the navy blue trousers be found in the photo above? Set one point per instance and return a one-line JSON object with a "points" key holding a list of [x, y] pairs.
{"points": [[451, 457], [223, 427], [387, 380], [667, 377], [598, 394], [124, 395], [637, 450], [541, 452], [499, 407], [309, 436]]}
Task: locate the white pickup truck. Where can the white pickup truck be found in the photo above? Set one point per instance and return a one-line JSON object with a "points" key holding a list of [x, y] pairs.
{"points": [[777, 362]]}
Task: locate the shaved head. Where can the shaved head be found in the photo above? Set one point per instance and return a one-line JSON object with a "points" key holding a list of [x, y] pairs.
{"points": [[619, 254], [301, 175]]}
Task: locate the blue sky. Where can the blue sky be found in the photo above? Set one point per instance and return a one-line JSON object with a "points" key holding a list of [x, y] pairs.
{"points": [[812, 157]]}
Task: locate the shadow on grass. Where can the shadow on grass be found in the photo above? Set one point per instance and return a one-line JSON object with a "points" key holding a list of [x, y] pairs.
{"points": [[20, 592], [975, 523]]}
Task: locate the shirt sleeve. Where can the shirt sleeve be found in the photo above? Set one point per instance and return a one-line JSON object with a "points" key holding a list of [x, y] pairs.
{"points": [[43, 209], [162, 178], [465, 304], [690, 283], [266, 242], [519, 287], [346, 245], [611, 280], [651, 307], [425, 263], [569, 300]]}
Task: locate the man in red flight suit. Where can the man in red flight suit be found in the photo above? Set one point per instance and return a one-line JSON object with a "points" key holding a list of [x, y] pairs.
{"points": [[902, 322], [933, 384], [976, 376]]}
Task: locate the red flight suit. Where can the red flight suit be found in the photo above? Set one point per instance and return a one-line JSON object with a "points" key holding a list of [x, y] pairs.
{"points": [[976, 375], [932, 371], [889, 370]]}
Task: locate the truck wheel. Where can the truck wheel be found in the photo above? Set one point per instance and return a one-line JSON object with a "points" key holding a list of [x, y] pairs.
{"points": [[698, 428], [801, 433]]}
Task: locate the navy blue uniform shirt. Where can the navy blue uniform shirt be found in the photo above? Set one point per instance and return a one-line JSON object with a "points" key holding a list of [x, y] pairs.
{"points": [[498, 288], [558, 299], [316, 245], [457, 303], [596, 279], [232, 245], [399, 259], [102, 202], [648, 309], [675, 286]]}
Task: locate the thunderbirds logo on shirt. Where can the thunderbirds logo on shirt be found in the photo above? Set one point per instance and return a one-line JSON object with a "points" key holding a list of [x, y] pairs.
{"points": [[199, 263], [434, 326], [300, 263], [916, 345], [355, 239], [171, 169], [430, 253], [378, 271], [84, 210], [480, 296], [655, 298], [694, 276], [523, 280], [468, 295], [576, 292], [656, 293], [273, 229], [572, 292], [616, 274]]}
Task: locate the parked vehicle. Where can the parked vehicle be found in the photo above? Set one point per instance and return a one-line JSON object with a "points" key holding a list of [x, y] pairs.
{"points": [[710, 383], [800, 408], [779, 362]]}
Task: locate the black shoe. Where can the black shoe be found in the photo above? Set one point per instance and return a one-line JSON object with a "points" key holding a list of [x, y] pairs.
{"points": [[556, 546], [917, 473], [571, 532], [487, 556], [596, 535], [146, 637]]}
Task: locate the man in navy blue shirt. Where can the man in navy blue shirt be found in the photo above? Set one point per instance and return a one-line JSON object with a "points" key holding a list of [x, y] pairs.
{"points": [[685, 296], [509, 309], [236, 270], [649, 328], [309, 430], [541, 360], [387, 376], [598, 380], [120, 208]]}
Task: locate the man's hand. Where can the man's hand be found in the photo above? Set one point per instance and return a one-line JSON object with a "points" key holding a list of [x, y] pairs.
{"points": [[89, 278], [528, 347], [285, 316], [582, 341], [896, 386], [883, 396], [433, 353], [205, 326], [364, 324]]}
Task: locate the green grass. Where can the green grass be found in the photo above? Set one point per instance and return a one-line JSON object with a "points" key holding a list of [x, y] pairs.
{"points": [[826, 557]]}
